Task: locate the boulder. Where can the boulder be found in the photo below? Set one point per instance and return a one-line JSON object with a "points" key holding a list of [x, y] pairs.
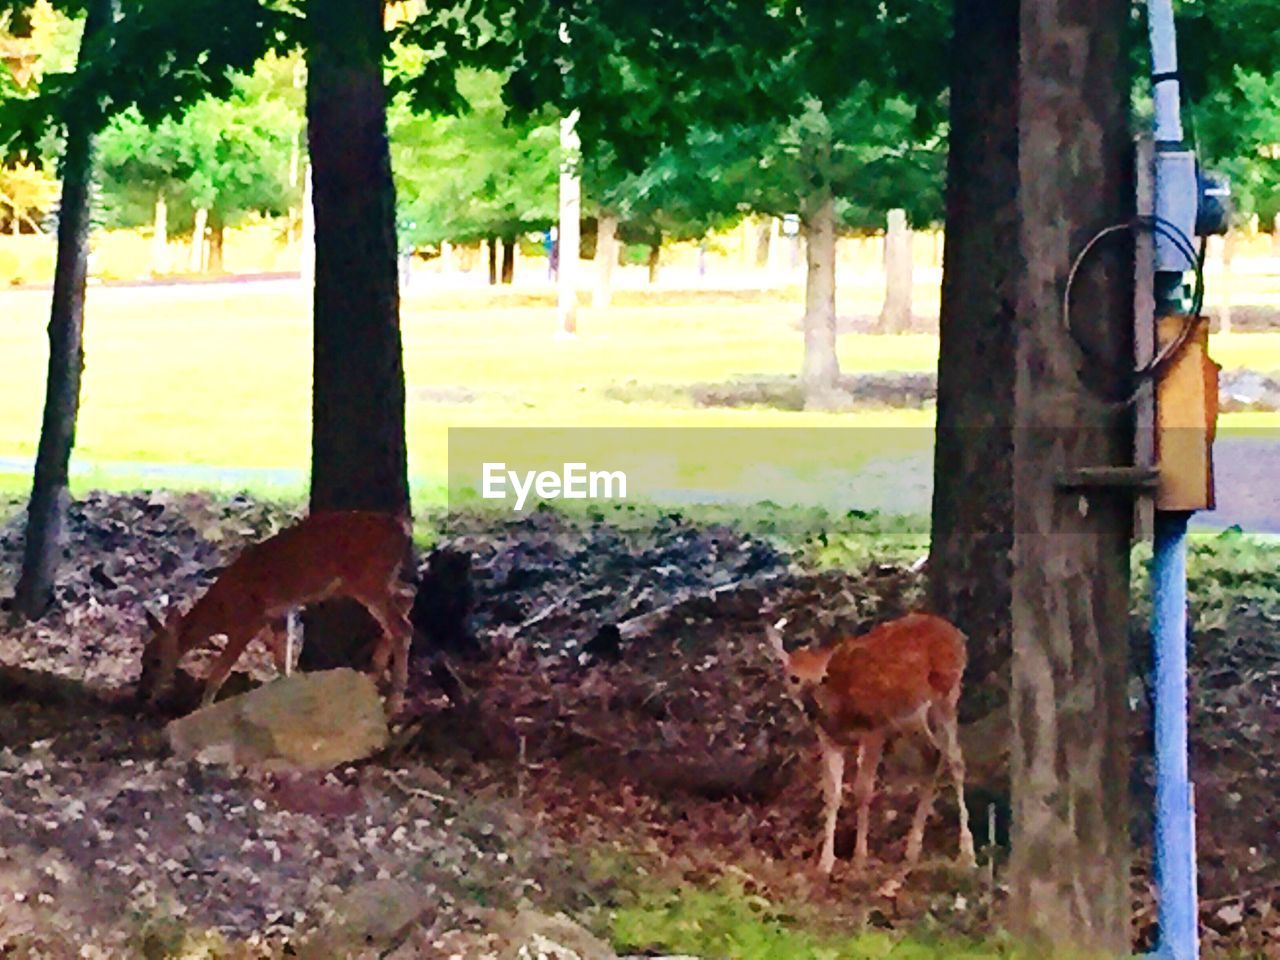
{"points": [[307, 721]]}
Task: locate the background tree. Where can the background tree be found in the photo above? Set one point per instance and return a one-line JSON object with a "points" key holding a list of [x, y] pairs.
{"points": [[474, 175], [227, 157], [50, 487]]}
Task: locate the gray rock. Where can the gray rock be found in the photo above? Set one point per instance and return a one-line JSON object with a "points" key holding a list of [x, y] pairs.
{"points": [[308, 721]]}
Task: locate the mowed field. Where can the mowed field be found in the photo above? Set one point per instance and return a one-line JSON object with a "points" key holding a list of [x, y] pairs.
{"points": [[217, 377]]}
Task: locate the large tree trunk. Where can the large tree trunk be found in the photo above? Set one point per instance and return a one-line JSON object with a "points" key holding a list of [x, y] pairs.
{"points": [[655, 259], [358, 434], [1037, 576], [47, 509], [508, 259], [606, 259], [821, 371], [1069, 873], [491, 253], [972, 530], [895, 314]]}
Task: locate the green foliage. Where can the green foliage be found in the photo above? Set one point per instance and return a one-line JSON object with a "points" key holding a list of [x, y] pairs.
{"points": [[1237, 128], [727, 921], [481, 173], [227, 156], [159, 56], [1225, 571]]}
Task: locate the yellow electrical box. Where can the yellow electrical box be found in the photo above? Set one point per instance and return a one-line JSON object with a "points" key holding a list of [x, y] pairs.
{"points": [[1186, 417]]}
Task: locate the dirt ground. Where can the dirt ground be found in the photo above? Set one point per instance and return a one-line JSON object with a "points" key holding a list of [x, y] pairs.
{"points": [[678, 756]]}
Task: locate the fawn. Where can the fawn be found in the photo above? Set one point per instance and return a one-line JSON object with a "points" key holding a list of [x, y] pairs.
{"points": [[902, 677], [355, 554]]}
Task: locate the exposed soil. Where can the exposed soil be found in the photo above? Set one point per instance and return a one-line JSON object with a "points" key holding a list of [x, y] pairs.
{"points": [[681, 751]]}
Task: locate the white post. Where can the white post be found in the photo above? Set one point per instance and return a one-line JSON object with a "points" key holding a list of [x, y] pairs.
{"points": [[160, 241], [308, 260], [198, 259], [570, 211]]}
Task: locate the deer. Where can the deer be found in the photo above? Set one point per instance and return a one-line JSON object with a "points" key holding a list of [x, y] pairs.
{"points": [[902, 677], [354, 554]]}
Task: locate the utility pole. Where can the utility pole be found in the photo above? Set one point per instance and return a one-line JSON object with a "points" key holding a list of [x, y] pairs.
{"points": [[1186, 202]]}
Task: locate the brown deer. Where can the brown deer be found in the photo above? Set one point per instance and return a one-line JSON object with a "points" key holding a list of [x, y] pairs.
{"points": [[355, 554], [903, 677]]}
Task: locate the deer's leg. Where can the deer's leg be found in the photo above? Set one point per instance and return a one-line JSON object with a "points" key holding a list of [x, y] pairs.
{"points": [[955, 760], [832, 788], [870, 747], [277, 637], [392, 616], [221, 669], [928, 790]]}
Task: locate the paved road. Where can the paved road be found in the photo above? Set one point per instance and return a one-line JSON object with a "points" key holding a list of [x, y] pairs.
{"points": [[1247, 466]]}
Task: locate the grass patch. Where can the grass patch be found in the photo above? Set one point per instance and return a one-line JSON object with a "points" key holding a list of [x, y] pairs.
{"points": [[220, 375], [727, 921]]}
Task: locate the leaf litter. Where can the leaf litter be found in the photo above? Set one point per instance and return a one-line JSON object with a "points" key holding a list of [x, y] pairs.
{"points": [[681, 752]]}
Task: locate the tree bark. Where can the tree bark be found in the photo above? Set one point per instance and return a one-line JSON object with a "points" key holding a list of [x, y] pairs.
{"points": [[1038, 578], [1069, 872], [358, 458], [655, 259], [508, 259], [895, 315], [160, 239], [217, 232], [972, 530], [1228, 257], [491, 253], [198, 261], [50, 493], [569, 241], [606, 259], [763, 234], [821, 371]]}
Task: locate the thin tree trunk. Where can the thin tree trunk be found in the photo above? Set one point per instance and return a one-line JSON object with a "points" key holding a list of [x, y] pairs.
{"points": [[895, 315], [764, 231], [217, 233], [508, 259], [160, 239], [1228, 257], [1069, 762], [491, 255], [358, 456], [606, 259], [821, 371], [655, 259], [570, 220], [50, 494], [198, 260]]}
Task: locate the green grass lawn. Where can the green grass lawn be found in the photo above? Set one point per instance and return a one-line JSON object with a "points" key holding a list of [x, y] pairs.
{"points": [[220, 376]]}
